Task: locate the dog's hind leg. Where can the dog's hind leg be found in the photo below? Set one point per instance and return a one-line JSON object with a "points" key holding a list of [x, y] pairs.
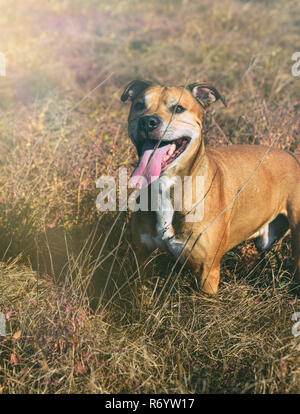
{"points": [[272, 232], [262, 241]]}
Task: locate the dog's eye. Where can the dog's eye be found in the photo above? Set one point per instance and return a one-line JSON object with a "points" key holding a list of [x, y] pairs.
{"points": [[139, 106], [177, 109]]}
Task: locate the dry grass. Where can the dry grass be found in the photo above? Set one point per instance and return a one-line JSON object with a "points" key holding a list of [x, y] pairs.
{"points": [[150, 331]]}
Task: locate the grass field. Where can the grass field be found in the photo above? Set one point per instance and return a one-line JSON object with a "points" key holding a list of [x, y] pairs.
{"points": [[81, 316]]}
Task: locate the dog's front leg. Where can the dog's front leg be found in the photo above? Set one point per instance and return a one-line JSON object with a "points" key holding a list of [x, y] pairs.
{"points": [[209, 278]]}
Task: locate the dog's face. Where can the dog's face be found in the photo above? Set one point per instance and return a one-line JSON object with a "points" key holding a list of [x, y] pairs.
{"points": [[165, 124]]}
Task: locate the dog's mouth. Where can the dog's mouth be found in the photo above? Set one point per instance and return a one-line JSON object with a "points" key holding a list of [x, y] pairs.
{"points": [[153, 161], [177, 147]]}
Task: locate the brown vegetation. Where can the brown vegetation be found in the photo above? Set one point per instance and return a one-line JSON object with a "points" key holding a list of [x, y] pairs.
{"points": [[62, 126]]}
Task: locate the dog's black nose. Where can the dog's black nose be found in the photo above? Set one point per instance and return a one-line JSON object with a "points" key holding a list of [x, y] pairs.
{"points": [[149, 123]]}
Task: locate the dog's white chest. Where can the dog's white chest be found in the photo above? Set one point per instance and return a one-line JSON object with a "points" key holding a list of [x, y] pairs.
{"points": [[164, 238]]}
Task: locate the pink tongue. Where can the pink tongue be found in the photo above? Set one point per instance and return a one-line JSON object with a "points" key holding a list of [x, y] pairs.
{"points": [[153, 170]]}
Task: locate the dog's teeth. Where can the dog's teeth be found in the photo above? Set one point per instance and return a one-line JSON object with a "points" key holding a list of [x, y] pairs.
{"points": [[172, 149]]}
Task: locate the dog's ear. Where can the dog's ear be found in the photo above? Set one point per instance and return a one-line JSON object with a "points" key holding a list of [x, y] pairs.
{"points": [[205, 94], [134, 88]]}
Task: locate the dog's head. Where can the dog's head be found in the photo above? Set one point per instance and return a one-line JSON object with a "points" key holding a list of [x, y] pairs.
{"points": [[165, 124]]}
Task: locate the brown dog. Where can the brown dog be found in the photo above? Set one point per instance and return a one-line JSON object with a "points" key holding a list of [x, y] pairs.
{"points": [[250, 191]]}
